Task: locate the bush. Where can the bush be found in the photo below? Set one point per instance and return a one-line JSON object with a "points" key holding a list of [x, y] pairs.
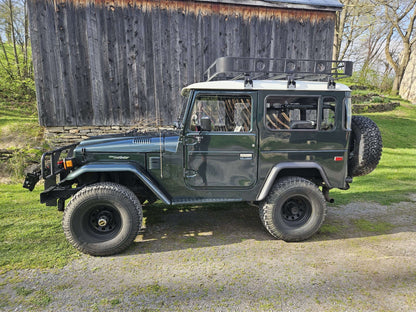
{"points": [[371, 79]]}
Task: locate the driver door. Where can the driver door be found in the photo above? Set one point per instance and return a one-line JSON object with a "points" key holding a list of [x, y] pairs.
{"points": [[221, 141]]}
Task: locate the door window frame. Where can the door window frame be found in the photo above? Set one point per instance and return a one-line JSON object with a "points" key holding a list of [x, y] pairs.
{"points": [[250, 94]]}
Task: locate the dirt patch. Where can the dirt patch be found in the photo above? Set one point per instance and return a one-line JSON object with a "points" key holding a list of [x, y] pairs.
{"points": [[223, 260]]}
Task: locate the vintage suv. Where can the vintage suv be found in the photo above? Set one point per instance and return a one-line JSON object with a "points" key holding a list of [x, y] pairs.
{"points": [[280, 144]]}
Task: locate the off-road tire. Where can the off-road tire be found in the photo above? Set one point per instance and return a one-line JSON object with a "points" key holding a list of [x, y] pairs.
{"points": [[102, 219], [365, 146], [294, 210]]}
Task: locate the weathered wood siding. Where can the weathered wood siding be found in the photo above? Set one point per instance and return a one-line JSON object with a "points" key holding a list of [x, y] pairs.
{"points": [[125, 62]]}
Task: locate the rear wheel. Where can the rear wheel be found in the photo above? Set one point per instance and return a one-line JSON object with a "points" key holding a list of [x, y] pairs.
{"points": [[102, 219], [294, 210]]}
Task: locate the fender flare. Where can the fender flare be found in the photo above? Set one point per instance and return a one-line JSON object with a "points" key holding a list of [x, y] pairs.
{"points": [[121, 167], [288, 165]]}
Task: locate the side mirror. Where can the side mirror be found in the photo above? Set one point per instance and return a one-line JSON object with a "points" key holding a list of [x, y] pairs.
{"points": [[206, 124], [176, 125]]}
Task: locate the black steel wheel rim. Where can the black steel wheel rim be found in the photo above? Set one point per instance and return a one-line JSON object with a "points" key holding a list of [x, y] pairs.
{"points": [[296, 211], [103, 220]]}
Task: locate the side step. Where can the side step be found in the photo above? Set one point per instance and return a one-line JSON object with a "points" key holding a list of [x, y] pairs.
{"points": [[202, 200]]}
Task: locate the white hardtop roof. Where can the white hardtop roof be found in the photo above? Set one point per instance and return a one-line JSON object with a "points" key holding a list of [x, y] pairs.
{"points": [[280, 85]]}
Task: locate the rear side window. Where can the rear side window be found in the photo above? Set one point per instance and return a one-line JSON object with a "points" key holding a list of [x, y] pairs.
{"points": [[300, 113], [328, 113], [291, 112]]}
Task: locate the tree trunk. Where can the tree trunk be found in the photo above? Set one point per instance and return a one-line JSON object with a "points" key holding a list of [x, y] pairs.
{"points": [[26, 42], [339, 33], [13, 34], [6, 57], [396, 86]]}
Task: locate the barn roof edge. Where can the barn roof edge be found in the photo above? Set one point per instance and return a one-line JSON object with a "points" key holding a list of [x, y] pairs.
{"points": [[327, 5]]}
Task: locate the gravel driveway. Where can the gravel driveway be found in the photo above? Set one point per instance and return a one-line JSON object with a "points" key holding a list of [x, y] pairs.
{"points": [[223, 260]]}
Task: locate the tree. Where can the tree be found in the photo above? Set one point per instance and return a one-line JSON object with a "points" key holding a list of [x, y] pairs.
{"points": [[15, 61], [399, 18], [349, 26]]}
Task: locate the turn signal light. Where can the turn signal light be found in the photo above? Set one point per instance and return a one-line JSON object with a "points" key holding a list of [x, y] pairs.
{"points": [[68, 163]]}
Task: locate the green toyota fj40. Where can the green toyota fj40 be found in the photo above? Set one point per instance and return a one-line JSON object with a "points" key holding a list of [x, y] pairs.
{"points": [[266, 136]]}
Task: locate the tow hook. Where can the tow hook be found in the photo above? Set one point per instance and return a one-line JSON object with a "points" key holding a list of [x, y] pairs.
{"points": [[325, 191]]}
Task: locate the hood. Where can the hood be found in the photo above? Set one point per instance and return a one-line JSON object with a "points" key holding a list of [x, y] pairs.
{"points": [[132, 142]]}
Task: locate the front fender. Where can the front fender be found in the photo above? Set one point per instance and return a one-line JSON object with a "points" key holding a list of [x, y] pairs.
{"points": [[288, 165], [120, 167]]}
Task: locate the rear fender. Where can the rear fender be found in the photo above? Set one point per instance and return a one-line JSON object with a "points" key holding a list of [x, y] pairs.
{"points": [[120, 167], [289, 165]]}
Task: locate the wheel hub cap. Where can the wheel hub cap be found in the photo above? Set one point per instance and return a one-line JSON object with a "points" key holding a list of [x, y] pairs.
{"points": [[102, 221]]}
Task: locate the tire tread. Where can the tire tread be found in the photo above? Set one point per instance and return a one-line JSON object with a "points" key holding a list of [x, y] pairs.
{"points": [[94, 191]]}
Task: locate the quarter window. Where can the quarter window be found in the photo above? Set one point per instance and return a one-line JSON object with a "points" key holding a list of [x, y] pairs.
{"points": [[221, 113], [328, 113]]}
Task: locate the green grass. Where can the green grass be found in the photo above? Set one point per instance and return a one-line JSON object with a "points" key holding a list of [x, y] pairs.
{"points": [[21, 133], [31, 235], [375, 227], [394, 178], [18, 118]]}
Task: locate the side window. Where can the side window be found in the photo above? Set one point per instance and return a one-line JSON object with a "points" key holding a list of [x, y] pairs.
{"points": [[291, 112], [328, 113], [348, 112], [221, 113]]}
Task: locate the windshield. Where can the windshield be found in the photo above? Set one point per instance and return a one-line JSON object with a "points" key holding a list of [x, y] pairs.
{"points": [[185, 100]]}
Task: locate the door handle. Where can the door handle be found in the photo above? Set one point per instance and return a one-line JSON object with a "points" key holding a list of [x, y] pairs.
{"points": [[194, 140], [191, 141], [190, 174]]}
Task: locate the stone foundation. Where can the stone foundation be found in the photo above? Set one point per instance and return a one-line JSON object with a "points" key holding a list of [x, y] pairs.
{"points": [[373, 107], [59, 136]]}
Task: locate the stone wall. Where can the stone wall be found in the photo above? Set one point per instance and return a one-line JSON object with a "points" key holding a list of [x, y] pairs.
{"points": [[374, 107], [59, 136]]}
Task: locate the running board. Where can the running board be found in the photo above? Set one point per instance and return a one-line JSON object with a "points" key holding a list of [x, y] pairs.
{"points": [[201, 200]]}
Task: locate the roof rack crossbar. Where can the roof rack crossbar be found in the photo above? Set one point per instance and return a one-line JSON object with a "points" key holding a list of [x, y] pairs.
{"points": [[236, 68]]}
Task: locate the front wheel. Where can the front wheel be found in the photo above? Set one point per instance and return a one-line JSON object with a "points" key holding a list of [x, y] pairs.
{"points": [[102, 219], [294, 210]]}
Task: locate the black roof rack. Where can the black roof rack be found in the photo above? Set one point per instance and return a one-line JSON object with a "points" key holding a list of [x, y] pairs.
{"points": [[236, 68]]}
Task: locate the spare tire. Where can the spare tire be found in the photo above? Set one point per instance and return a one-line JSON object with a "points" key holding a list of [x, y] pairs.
{"points": [[365, 146]]}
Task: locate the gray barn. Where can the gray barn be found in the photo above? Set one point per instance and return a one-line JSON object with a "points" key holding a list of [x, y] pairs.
{"points": [[124, 62]]}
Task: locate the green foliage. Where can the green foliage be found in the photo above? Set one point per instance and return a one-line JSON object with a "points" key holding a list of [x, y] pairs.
{"points": [[16, 82], [370, 79]]}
